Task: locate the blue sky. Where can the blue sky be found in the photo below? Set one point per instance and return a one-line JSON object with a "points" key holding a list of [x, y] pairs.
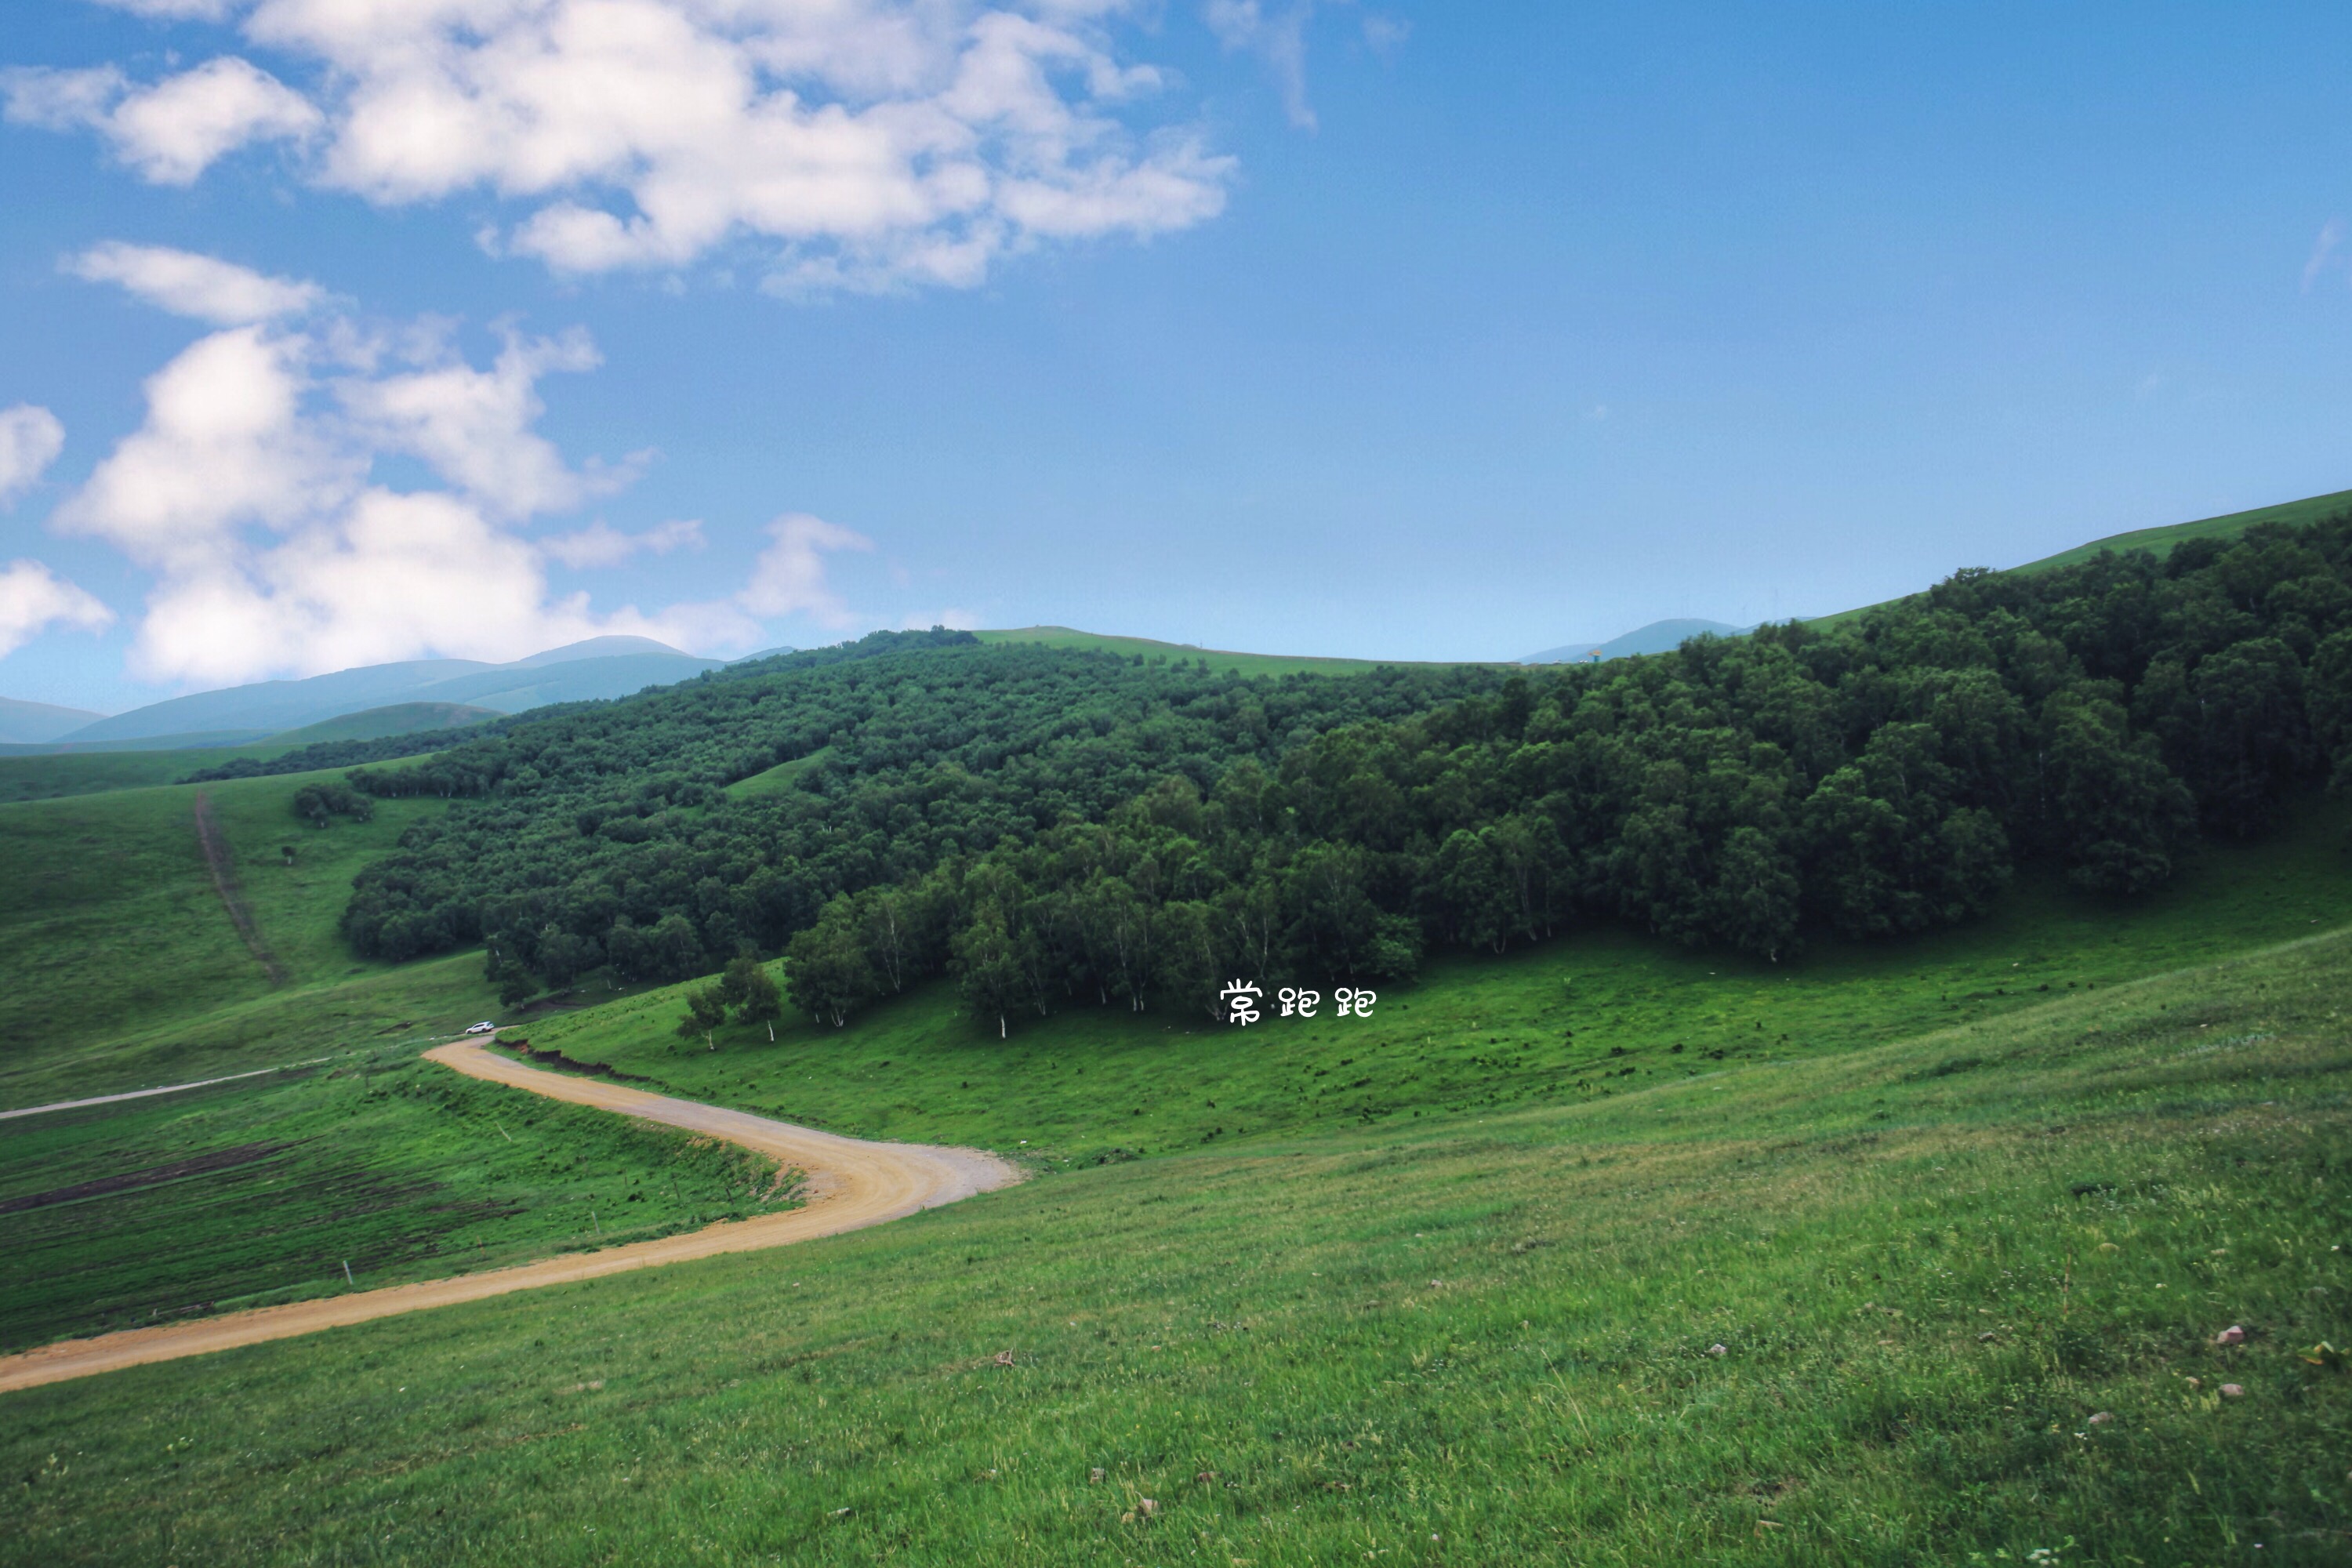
{"points": [[1379, 329]]}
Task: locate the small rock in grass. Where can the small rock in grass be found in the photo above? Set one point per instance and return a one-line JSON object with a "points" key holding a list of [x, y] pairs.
{"points": [[1716, 1350], [2232, 1391], [1987, 1336], [1146, 1507], [2232, 1335], [2100, 1418]]}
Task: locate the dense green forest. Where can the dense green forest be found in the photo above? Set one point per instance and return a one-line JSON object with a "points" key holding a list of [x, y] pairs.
{"points": [[605, 835], [1058, 828]]}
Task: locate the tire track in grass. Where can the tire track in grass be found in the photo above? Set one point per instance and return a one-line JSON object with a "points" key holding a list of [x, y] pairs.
{"points": [[850, 1184], [223, 865]]}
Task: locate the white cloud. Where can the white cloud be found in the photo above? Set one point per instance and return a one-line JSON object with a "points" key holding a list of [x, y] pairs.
{"points": [[203, 287], [600, 544], [227, 442], [256, 491], [473, 428], [1278, 37], [32, 599], [30, 439], [172, 131], [2331, 234], [862, 144], [789, 578]]}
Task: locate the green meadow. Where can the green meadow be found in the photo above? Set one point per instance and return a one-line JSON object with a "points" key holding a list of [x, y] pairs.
{"points": [[47, 776], [1950, 1299], [247, 1194], [125, 970], [1602, 1251], [1247, 665]]}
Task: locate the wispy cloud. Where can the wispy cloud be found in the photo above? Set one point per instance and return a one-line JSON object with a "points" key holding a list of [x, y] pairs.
{"points": [[1276, 35], [30, 439], [203, 288], [600, 544], [2331, 234]]}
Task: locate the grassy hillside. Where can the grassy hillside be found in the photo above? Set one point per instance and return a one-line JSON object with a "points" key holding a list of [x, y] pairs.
{"points": [[2159, 540], [252, 1193], [56, 774], [1952, 1300], [126, 970], [1595, 1013], [399, 718], [2162, 539], [1246, 664]]}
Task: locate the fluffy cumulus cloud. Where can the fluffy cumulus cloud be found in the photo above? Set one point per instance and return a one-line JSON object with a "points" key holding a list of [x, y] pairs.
{"points": [[860, 143], [254, 491], [33, 599], [172, 130], [30, 440]]}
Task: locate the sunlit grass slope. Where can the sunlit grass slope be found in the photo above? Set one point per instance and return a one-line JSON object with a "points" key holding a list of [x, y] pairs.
{"points": [[123, 968], [1246, 664], [261, 1191], [1949, 1300], [1540, 1025], [2160, 540]]}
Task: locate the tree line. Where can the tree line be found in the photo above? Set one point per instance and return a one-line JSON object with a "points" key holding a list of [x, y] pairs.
{"points": [[1883, 777], [1055, 829]]}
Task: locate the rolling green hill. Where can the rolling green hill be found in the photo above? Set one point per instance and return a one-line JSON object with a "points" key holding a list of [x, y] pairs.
{"points": [[54, 775], [2162, 539], [2158, 540], [1608, 1248], [125, 969], [1218, 660], [399, 718]]}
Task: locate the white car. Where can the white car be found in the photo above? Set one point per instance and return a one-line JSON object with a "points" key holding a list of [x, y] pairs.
{"points": [[484, 1027]]}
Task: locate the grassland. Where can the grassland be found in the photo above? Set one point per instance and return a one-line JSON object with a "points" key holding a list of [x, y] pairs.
{"points": [[1243, 664], [398, 719], [777, 779], [2162, 539], [1948, 1300], [247, 1194], [55, 774], [2159, 540], [125, 970]]}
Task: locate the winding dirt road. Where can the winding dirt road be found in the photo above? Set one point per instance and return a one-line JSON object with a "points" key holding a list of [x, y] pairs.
{"points": [[851, 1184]]}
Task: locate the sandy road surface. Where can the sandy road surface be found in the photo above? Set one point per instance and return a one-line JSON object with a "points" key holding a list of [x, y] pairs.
{"points": [[851, 1183]]}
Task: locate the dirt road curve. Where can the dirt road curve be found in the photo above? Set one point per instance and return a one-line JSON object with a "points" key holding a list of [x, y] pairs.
{"points": [[851, 1184]]}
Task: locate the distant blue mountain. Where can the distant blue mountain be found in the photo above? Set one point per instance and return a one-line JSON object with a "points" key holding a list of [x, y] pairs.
{"points": [[24, 723], [1658, 637], [599, 668]]}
